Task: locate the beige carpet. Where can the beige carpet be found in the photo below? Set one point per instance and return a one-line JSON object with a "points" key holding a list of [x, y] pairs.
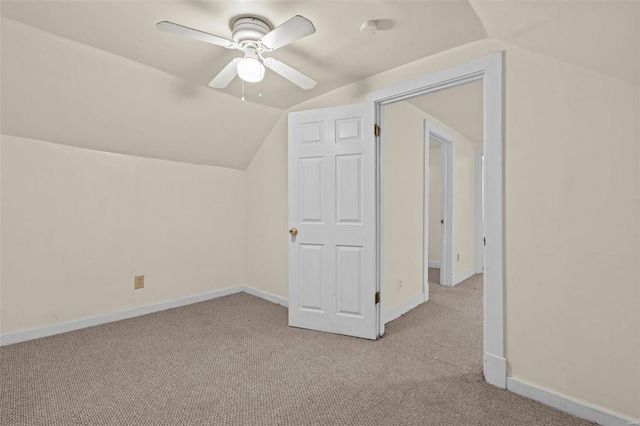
{"points": [[234, 361]]}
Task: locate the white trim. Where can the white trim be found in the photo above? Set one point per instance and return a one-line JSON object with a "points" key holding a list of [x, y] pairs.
{"points": [[50, 330], [494, 323], [403, 308], [434, 264], [579, 409], [494, 365], [278, 300], [458, 278], [478, 223], [426, 168], [378, 113], [489, 70]]}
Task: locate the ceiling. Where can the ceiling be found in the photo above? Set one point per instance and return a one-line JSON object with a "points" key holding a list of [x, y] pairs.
{"points": [[600, 35], [459, 107], [98, 74], [336, 55]]}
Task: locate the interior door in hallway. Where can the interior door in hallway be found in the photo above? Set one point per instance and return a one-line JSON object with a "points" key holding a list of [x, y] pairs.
{"points": [[332, 236]]}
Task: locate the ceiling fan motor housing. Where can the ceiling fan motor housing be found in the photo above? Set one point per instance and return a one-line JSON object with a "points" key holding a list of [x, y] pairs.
{"points": [[249, 29]]}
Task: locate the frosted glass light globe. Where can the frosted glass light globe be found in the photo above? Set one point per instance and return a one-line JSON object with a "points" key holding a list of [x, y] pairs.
{"points": [[250, 70]]}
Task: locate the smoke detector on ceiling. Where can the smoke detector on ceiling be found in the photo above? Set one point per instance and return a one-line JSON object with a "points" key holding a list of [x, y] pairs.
{"points": [[369, 27]]}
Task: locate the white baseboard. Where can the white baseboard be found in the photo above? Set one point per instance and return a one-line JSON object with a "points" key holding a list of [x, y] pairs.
{"points": [[266, 296], [50, 330], [457, 279], [495, 370], [402, 308], [434, 264], [570, 406]]}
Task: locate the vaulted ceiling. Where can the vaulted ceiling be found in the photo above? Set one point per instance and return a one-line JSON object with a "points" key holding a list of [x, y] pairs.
{"points": [[98, 74], [458, 107]]}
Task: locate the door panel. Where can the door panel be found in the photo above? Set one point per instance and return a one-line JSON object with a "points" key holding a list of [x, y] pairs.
{"points": [[349, 129], [332, 281], [349, 280], [349, 188], [311, 189], [310, 275]]}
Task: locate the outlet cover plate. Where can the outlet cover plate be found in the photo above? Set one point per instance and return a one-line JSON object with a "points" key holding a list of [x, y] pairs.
{"points": [[138, 282]]}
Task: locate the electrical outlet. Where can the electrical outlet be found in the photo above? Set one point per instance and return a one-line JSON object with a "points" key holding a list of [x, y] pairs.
{"points": [[138, 282], [399, 285]]}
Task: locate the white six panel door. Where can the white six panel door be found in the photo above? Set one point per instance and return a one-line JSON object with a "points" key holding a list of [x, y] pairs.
{"points": [[332, 281]]}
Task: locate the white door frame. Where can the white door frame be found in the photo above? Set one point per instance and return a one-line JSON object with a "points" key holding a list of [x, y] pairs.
{"points": [[446, 140], [489, 70], [478, 219]]}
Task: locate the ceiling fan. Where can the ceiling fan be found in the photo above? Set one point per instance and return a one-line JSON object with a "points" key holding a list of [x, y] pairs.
{"points": [[254, 37]]}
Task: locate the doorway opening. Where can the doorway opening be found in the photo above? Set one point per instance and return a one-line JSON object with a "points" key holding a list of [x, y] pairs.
{"points": [[488, 72], [336, 209], [438, 209], [423, 205]]}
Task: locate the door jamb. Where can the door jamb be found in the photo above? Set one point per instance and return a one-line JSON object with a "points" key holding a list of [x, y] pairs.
{"points": [[446, 238], [489, 70], [478, 219]]}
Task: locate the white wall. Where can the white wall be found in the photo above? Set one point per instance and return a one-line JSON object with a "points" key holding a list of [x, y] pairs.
{"points": [[267, 222], [78, 225], [572, 221], [573, 231], [464, 205], [403, 195]]}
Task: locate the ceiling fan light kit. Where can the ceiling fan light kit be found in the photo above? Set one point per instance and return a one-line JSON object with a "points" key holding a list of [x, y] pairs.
{"points": [[249, 68], [253, 37]]}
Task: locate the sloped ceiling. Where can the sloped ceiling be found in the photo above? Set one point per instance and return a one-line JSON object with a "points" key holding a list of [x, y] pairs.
{"points": [[60, 91], [98, 74], [337, 54], [458, 107], [603, 35]]}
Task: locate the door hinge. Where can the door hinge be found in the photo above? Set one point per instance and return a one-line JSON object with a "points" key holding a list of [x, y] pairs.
{"points": [[376, 130], [484, 240], [377, 297]]}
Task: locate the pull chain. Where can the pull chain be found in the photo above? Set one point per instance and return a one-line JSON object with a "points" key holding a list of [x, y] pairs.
{"points": [[260, 94], [242, 90]]}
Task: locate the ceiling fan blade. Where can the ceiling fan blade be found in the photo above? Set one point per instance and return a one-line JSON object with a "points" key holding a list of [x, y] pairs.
{"points": [[181, 30], [295, 76], [292, 30], [225, 76]]}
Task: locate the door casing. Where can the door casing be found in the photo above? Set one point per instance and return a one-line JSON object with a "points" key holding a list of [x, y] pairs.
{"points": [[489, 70], [478, 215]]}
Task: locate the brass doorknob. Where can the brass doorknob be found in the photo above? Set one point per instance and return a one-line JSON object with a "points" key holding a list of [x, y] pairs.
{"points": [[293, 231]]}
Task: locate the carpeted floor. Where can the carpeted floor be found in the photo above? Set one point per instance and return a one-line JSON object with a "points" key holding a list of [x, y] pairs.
{"points": [[234, 361]]}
